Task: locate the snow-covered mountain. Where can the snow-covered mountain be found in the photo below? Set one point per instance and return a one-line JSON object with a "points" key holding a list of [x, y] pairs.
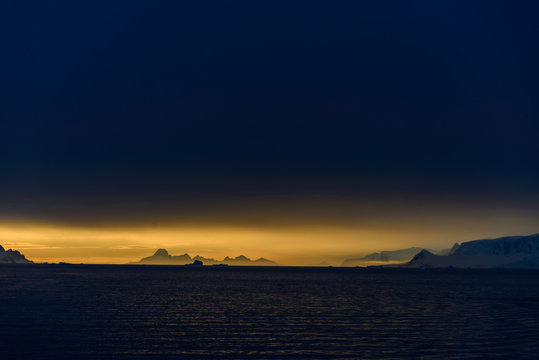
{"points": [[162, 257], [505, 252], [12, 257]]}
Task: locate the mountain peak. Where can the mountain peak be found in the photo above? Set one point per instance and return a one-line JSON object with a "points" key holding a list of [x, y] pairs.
{"points": [[161, 252], [12, 257], [385, 256], [423, 254]]}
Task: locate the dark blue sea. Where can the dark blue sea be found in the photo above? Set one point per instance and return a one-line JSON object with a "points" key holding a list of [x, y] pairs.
{"points": [[160, 312]]}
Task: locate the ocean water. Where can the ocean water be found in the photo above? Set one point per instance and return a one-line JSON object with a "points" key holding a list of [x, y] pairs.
{"points": [[160, 312]]}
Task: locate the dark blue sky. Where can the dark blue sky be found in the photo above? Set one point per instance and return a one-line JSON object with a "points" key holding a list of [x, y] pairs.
{"points": [[130, 103]]}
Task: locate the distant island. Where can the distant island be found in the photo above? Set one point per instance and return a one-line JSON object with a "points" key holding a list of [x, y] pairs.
{"points": [[162, 257], [12, 257], [388, 256], [392, 256]]}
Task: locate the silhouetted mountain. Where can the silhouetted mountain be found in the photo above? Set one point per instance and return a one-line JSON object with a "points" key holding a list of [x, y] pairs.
{"points": [[12, 257], [243, 260], [505, 252], [162, 257], [383, 256]]}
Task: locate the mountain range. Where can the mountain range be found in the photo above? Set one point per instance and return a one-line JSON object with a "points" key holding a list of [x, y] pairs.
{"points": [[504, 252], [389, 256], [162, 257], [12, 257]]}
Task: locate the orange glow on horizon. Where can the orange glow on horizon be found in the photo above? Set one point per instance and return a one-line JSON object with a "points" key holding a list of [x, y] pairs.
{"points": [[302, 245]]}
